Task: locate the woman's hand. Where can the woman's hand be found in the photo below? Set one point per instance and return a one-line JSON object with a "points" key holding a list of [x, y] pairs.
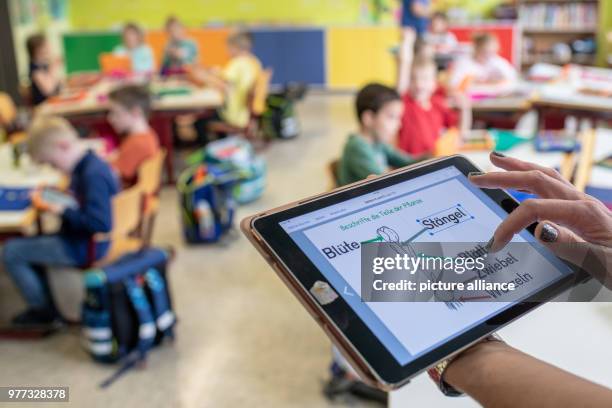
{"points": [[572, 224]]}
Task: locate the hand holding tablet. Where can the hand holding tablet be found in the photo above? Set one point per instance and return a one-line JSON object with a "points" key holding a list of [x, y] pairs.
{"points": [[54, 201], [386, 340]]}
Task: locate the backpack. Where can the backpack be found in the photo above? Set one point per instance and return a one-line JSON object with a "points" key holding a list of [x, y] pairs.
{"points": [[237, 153], [127, 309], [207, 205], [279, 120]]}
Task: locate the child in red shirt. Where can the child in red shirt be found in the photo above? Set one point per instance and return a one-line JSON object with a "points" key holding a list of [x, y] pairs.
{"points": [[426, 113]]}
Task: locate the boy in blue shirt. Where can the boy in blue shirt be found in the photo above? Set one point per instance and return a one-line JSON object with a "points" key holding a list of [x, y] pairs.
{"points": [[55, 142]]}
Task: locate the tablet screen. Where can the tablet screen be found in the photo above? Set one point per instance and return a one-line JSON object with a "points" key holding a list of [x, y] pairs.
{"points": [[422, 209]]}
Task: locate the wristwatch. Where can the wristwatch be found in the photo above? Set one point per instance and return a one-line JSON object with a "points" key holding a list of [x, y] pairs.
{"points": [[436, 373]]}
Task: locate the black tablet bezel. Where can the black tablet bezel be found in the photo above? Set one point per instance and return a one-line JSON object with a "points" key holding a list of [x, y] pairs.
{"points": [[355, 330]]}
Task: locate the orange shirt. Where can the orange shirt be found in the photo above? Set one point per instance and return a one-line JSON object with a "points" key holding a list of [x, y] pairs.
{"points": [[133, 151]]}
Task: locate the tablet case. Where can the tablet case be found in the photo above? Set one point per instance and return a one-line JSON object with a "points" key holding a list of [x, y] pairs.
{"points": [[366, 373]]}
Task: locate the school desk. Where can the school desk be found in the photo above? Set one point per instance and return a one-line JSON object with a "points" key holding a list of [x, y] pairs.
{"points": [[175, 97], [584, 92], [571, 336], [504, 110], [550, 98], [26, 176]]}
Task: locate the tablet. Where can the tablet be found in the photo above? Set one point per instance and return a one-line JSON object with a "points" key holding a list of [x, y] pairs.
{"points": [[315, 246], [53, 196]]}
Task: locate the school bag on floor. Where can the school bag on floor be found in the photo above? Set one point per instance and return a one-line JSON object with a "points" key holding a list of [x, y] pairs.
{"points": [[127, 309], [279, 120], [207, 205], [237, 153]]}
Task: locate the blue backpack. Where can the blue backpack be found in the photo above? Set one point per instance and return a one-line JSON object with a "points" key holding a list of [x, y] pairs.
{"points": [[127, 309], [237, 154]]}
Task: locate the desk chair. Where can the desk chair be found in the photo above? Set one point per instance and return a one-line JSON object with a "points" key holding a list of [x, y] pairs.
{"points": [[257, 102], [577, 167], [127, 210], [332, 171], [149, 180], [584, 166], [8, 116]]}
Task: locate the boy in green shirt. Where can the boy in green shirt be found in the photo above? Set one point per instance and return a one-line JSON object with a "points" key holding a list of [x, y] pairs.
{"points": [[370, 151]]}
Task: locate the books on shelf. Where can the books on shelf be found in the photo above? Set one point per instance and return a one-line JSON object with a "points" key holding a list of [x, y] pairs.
{"points": [[559, 16]]}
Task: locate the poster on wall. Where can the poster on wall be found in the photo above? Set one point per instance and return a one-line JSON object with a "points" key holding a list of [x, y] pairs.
{"points": [[24, 11]]}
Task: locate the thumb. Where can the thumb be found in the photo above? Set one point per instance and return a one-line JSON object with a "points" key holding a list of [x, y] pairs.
{"points": [[548, 232], [594, 259], [562, 242]]}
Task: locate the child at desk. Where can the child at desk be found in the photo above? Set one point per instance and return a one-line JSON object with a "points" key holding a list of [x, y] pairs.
{"points": [[236, 81], [129, 109], [44, 71], [55, 142], [134, 46], [485, 71], [370, 150], [366, 152], [426, 113], [180, 51], [441, 39]]}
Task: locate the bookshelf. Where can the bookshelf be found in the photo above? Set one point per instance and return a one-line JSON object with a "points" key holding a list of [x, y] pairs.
{"points": [[558, 31]]}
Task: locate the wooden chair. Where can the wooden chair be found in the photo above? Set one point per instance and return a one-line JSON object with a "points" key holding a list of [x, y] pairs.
{"points": [[8, 116], [149, 180], [332, 170], [8, 110], [127, 211], [257, 106], [584, 166]]}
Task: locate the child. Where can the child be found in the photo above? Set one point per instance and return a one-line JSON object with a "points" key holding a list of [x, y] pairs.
{"points": [[236, 80], [54, 141], [134, 46], [426, 113], [443, 41], [369, 151], [44, 70], [485, 70], [129, 109], [180, 51]]}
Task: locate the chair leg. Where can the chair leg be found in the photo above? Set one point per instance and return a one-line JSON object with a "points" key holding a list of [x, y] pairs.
{"points": [[148, 230]]}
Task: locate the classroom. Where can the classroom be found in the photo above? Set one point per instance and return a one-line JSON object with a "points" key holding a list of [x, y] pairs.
{"points": [[190, 189]]}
